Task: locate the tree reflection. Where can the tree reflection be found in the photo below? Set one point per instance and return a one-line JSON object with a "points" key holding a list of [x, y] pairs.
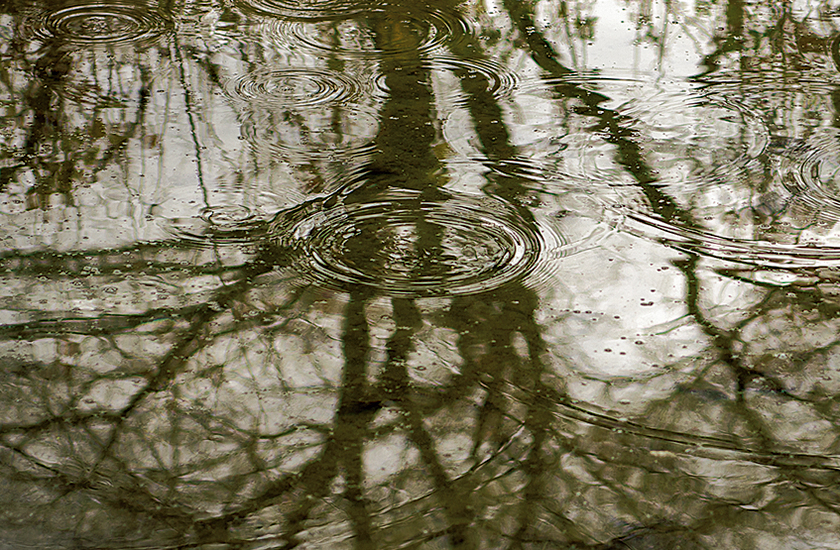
{"points": [[202, 394]]}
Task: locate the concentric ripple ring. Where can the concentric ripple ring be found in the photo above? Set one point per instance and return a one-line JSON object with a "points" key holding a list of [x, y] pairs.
{"points": [[403, 245], [298, 87], [305, 9], [422, 30], [219, 225], [91, 24]]}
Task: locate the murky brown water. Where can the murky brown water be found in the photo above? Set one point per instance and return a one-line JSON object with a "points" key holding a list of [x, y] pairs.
{"points": [[419, 274]]}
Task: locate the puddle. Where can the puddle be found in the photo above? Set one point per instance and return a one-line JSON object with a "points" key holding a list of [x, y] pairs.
{"points": [[419, 275]]}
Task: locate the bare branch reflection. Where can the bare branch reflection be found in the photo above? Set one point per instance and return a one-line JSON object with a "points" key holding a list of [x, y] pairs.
{"points": [[178, 373]]}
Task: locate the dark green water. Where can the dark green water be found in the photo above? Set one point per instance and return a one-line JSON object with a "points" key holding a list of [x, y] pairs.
{"points": [[419, 275]]}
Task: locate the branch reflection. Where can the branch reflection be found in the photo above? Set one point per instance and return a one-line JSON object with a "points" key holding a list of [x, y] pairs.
{"points": [[452, 331]]}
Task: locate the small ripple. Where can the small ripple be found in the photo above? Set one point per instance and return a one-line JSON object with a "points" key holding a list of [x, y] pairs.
{"points": [[476, 76], [790, 223], [290, 88], [694, 140], [219, 226], [594, 82], [700, 172], [381, 31], [539, 157], [91, 24], [747, 251], [405, 245], [684, 139], [564, 234], [810, 172], [309, 10], [759, 90], [89, 94], [349, 150], [82, 83], [345, 135], [697, 444], [834, 50]]}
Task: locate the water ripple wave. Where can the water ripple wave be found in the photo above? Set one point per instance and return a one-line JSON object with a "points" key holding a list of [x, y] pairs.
{"points": [[309, 10], [295, 87], [222, 225], [479, 79], [683, 164], [775, 206], [106, 23], [402, 244], [381, 31]]}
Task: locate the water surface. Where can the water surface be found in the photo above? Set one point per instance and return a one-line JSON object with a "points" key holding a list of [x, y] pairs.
{"points": [[436, 274]]}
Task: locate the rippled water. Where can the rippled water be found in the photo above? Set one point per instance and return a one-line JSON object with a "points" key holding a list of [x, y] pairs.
{"points": [[436, 274], [93, 24]]}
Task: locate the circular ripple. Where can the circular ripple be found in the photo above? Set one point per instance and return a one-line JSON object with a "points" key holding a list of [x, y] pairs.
{"points": [[305, 9], [227, 216], [104, 24], [344, 136], [690, 141], [405, 245], [834, 50], [763, 253], [292, 88], [478, 79], [479, 76], [380, 31], [694, 170], [810, 173], [670, 133], [83, 85], [219, 225], [787, 221]]}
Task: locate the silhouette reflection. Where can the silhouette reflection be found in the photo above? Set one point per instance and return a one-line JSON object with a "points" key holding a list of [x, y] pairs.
{"points": [[418, 275]]}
